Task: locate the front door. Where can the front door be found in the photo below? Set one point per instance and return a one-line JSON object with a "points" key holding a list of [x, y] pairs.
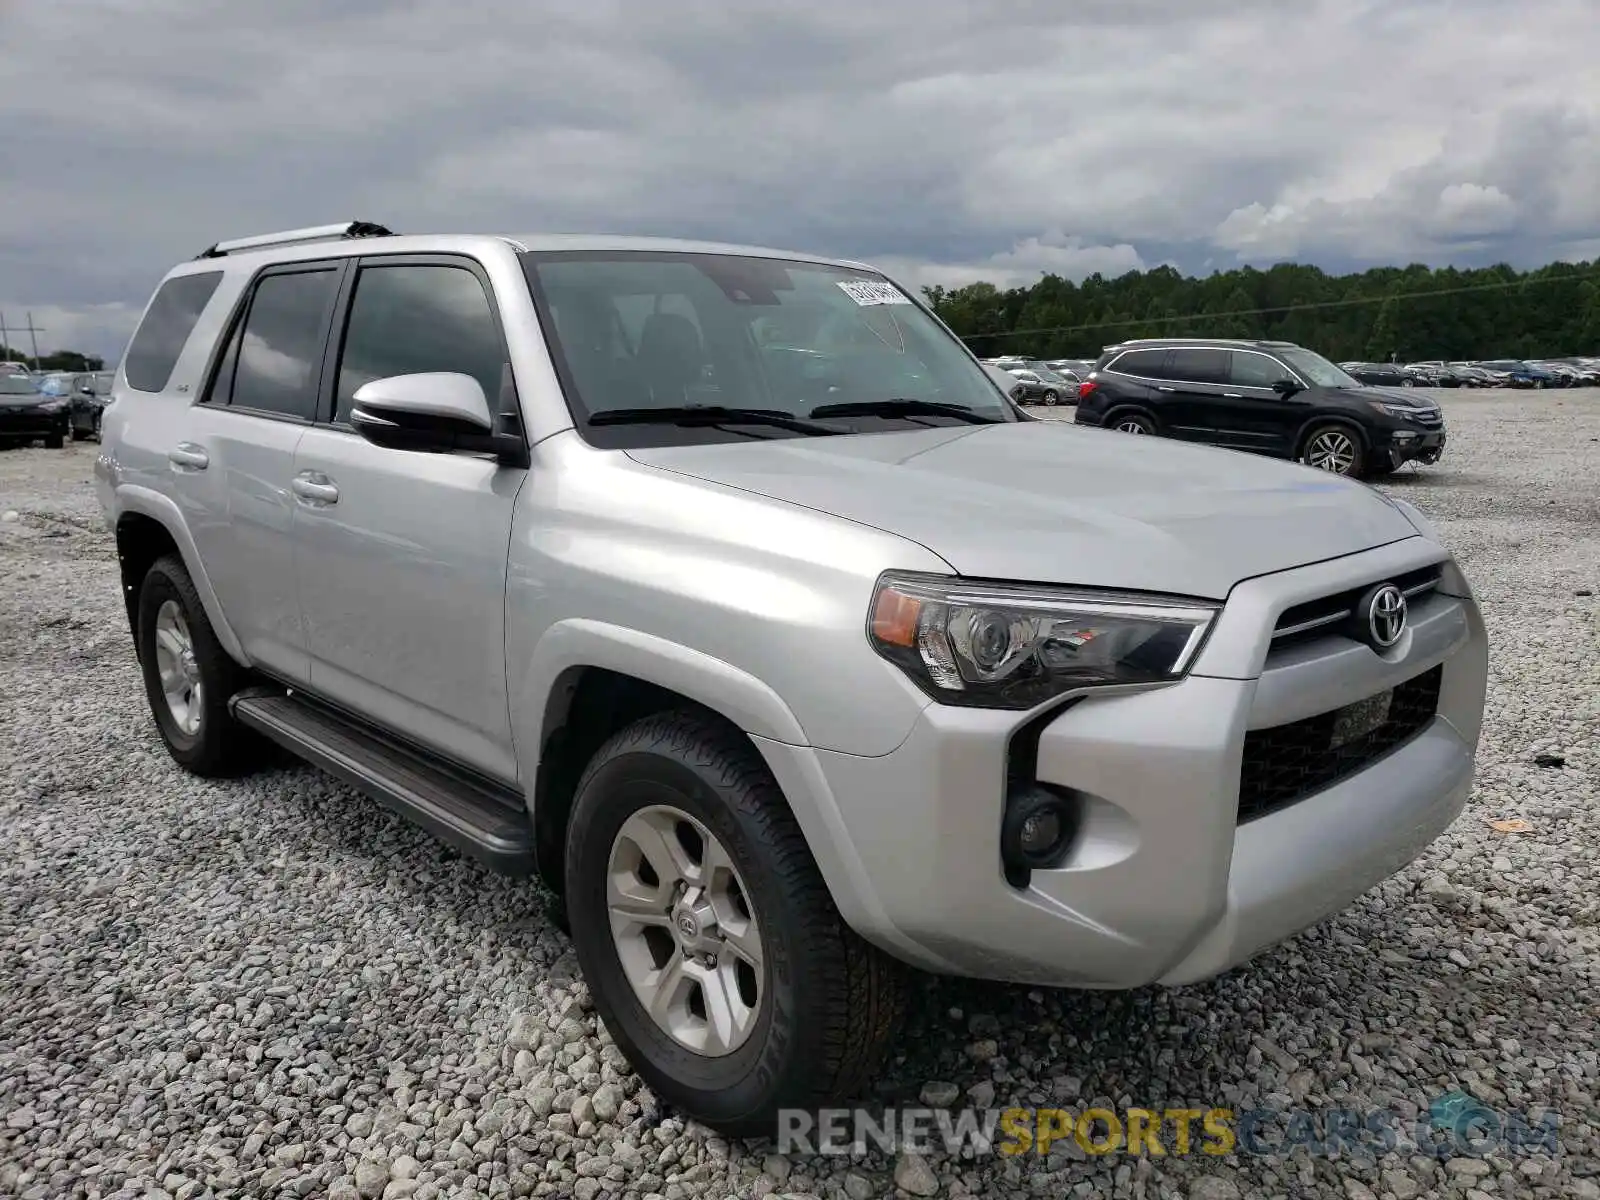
{"points": [[1258, 416], [402, 555]]}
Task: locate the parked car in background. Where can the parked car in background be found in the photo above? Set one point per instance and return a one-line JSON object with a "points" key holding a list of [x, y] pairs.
{"points": [[1078, 367], [1044, 386], [1586, 369], [1474, 377], [1434, 374], [86, 401], [28, 413], [1008, 383], [1563, 374], [1517, 373], [1266, 397], [14, 368], [1379, 374]]}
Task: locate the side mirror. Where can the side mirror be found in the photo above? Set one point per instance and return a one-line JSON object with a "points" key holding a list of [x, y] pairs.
{"points": [[1285, 387], [432, 412]]}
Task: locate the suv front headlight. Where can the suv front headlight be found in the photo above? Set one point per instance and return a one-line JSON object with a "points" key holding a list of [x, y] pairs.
{"points": [[1007, 645]]}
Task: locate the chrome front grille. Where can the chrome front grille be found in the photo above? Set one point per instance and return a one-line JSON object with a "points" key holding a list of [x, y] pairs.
{"points": [[1312, 618]]}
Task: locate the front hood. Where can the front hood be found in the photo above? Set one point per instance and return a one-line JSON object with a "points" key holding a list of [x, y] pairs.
{"points": [[26, 401], [1391, 395], [1048, 502]]}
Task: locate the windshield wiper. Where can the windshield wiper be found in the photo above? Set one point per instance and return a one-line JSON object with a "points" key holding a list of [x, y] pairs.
{"points": [[903, 408], [710, 414]]}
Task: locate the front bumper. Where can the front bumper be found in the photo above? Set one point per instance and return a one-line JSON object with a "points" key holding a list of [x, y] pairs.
{"points": [[1163, 884], [1415, 443], [19, 425]]}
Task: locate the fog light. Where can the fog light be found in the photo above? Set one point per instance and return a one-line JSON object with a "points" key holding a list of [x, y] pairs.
{"points": [[1037, 829], [1405, 437], [1041, 833]]}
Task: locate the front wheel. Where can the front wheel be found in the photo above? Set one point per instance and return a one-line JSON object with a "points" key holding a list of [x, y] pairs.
{"points": [[1334, 448], [55, 441], [1052, 398], [714, 952], [188, 676]]}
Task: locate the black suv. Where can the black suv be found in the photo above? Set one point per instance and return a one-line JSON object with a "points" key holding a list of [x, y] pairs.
{"points": [[1267, 397]]}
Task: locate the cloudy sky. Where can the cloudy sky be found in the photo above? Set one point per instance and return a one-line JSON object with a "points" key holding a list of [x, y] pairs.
{"points": [[949, 140]]}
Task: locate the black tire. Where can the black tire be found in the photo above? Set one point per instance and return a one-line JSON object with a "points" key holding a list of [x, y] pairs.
{"points": [[98, 417], [220, 746], [55, 441], [1126, 420], [79, 435], [1052, 397], [1358, 457], [830, 1002]]}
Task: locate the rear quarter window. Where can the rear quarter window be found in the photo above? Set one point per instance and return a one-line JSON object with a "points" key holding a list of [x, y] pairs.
{"points": [[1146, 363], [166, 327]]}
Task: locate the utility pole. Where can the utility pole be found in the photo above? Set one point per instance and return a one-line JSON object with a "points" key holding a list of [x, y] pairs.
{"points": [[33, 337], [33, 331]]}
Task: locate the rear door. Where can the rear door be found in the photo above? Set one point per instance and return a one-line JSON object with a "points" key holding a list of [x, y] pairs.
{"points": [[233, 469], [402, 555], [1198, 377]]}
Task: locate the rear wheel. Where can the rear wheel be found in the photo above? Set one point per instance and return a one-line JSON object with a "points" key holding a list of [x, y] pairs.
{"points": [[188, 676], [1334, 448], [713, 949], [1131, 422]]}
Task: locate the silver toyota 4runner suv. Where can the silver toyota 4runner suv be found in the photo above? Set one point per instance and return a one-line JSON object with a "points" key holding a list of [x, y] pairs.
{"points": [[723, 589]]}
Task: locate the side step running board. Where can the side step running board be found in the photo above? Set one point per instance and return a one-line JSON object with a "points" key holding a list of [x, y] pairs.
{"points": [[477, 817]]}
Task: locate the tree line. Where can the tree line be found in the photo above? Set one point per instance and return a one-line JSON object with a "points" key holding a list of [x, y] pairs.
{"points": [[57, 360], [1406, 313]]}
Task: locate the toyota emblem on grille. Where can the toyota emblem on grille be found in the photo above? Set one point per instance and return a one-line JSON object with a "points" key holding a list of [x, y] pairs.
{"points": [[1384, 611]]}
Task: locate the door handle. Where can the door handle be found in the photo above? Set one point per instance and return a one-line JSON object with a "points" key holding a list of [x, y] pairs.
{"points": [[186, 456], [1232, 396], [315, 487], [1165, 389]]}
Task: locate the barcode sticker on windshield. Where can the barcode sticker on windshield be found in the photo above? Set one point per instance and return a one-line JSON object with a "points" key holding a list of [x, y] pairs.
{"points": [[868, 291]]}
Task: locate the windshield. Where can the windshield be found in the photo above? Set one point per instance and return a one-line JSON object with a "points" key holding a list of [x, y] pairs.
{"points": [[1316, 370], [18, 385], [658, 330]]}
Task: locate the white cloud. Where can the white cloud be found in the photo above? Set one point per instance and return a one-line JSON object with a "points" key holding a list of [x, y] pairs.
{"points": [[950, 140]]}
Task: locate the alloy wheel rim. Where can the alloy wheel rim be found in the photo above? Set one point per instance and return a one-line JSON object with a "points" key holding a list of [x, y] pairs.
{"points": [[1129, 427], [178, 669], [685, 930], [1332, 451]]}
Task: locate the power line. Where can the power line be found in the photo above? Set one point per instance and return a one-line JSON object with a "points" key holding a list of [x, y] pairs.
{"points": [[1284, 308]]}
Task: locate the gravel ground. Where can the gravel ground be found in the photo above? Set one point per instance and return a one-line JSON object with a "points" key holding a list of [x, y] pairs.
{"points": [[274, 988]]}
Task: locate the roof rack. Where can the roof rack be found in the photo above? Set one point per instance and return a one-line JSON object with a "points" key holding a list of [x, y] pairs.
{"points": [[314, 233]]}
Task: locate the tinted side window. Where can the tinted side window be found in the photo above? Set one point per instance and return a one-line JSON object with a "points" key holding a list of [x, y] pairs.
{"points": [[410, 319], [279, 354], [1140, 362], [1198, 366], [1256, 370], [166, 327]]}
